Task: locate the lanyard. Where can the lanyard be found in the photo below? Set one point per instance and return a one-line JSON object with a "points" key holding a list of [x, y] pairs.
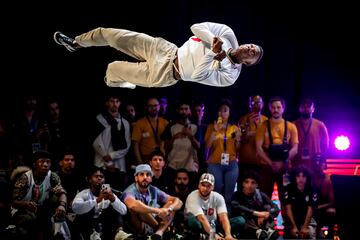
{"points": [[306, 132], [155, 130], [225, 138]]}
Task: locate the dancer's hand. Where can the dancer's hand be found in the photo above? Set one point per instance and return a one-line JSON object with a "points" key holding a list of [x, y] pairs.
{"points": [[220, 56], [217, 44]]}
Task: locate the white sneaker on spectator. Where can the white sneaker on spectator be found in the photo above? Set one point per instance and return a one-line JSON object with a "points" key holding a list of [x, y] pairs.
{"points": [[121, 235], [271, 233], [95, 236]]}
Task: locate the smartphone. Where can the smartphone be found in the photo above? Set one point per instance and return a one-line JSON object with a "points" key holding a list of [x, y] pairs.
{"points": [[105, 186]]}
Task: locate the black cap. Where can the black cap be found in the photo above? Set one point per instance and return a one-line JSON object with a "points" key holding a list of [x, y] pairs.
{"points": [[41, 154]]}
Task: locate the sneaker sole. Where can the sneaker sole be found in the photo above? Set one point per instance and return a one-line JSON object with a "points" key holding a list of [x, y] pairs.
{"points": [[67, 46], [56, 33]]}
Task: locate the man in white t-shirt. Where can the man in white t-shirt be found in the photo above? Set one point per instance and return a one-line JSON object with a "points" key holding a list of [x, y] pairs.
{"points": [[212, 56], [204, 206]]}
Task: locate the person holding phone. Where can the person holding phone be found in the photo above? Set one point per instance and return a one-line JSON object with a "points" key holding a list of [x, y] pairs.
{"points": [[249, 123], [99, 210], [222, 140]]}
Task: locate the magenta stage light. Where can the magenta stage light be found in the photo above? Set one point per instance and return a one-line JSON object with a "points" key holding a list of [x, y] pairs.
{"points": [[342, 143]]}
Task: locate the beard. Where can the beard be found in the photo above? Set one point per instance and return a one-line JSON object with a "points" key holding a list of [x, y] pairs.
{"points": [[143, 184], [181, 186], [204, 195], [305, 115], [183, 117]]}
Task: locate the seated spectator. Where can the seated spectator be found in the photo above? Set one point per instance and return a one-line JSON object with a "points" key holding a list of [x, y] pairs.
{"points": [[157, 163], [255, 207], [37, 196], [204, 206], [180, 190], [73, 182], [325, 212], [300, 200], [99, 210], [150, 209]]}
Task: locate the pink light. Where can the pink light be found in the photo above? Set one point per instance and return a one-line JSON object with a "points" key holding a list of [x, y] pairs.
{"points": [[342, 143]]}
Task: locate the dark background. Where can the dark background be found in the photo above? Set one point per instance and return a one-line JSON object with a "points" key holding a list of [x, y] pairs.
{"points": [[311, 49]]}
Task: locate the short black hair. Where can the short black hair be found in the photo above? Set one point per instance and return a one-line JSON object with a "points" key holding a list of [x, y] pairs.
{"points": [[181, 170], [277, 99], [93, 169], [157, 152], [261, 54], [252, 175], [308, 101]]}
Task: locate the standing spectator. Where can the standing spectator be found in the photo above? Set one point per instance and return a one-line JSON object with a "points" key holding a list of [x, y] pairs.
{"points": [[197, 117], [25, 129], [147, 132], [313, 136], [222, 142], [181, 145], [112, 143], [249, 123], [276, 144]]}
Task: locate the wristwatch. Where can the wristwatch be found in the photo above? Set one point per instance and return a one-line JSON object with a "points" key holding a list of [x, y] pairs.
{"points": [[171, 209]]}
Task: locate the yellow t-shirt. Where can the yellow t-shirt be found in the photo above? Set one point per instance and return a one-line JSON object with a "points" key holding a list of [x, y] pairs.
{"points": [[143, 134], [217, 146], [277, 132], [247, 151]]}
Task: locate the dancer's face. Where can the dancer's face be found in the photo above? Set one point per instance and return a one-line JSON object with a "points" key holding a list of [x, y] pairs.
{"points": [[248, 54]]}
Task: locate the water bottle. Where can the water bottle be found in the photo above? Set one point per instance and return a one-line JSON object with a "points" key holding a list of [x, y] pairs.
{"points": [[212, 235]]}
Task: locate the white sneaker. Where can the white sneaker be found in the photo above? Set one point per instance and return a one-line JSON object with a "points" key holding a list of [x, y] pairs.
{"points": [[121, 84], [121, 235], [271, 233], [261, 234], [95, 236]]}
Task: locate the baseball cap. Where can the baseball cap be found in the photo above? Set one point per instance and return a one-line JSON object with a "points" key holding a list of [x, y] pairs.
{"points": [[41, 154], [207, 177], [143, 168]]}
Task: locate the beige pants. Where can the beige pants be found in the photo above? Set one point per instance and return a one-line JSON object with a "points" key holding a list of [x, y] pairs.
{"points": [[155, 57]]}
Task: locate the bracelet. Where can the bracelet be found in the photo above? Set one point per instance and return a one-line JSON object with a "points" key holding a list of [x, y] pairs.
{"points": [[171, 209]]}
